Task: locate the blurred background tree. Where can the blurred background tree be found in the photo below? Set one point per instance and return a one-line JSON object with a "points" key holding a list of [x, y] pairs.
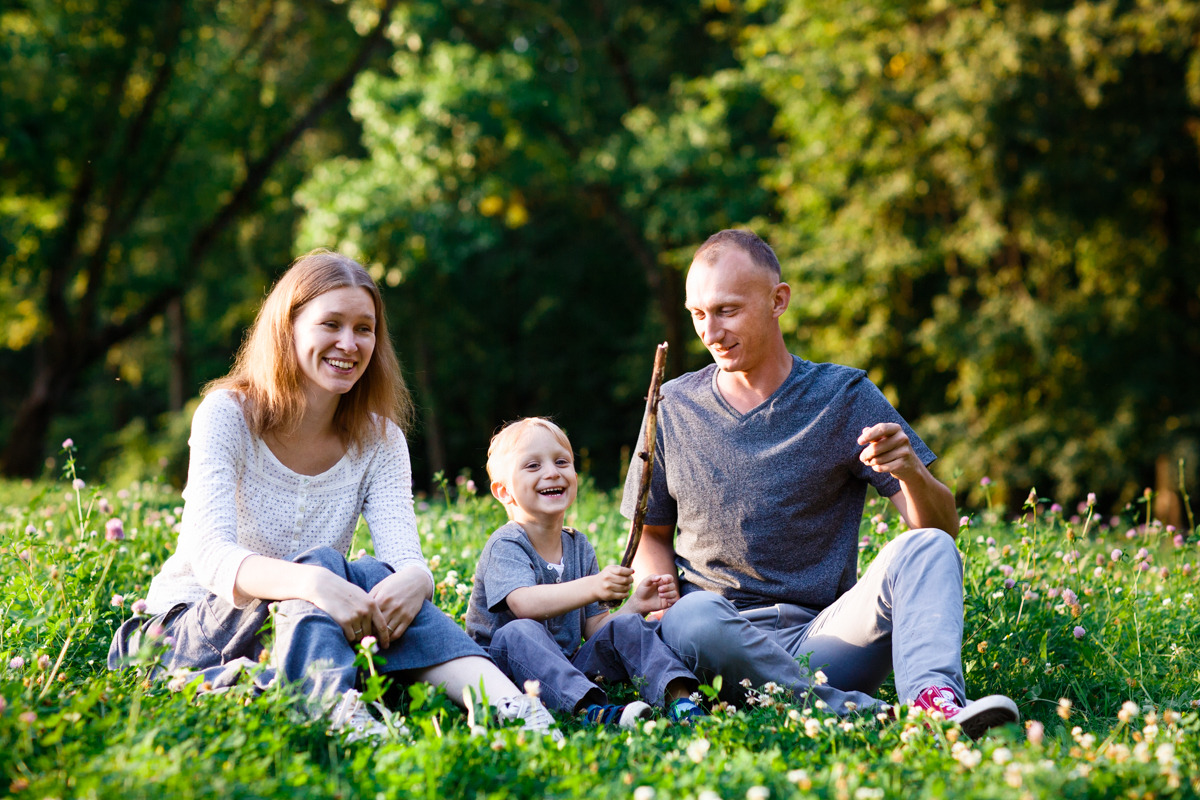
{"points": [[150, 150], [990, 206], [537, 176], [995, 209]]}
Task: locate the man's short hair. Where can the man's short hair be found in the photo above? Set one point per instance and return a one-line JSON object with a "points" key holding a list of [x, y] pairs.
{"points": [[748, 242]]}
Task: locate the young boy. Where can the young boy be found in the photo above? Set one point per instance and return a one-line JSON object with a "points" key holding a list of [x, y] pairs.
{"points": [[538, 587]]}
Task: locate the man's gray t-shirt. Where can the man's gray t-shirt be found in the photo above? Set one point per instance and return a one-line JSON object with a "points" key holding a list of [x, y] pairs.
{"points": [[767, 504], [509, 561]]}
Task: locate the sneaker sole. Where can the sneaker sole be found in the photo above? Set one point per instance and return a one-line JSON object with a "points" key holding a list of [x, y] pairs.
{"points": [[1001, 711]]}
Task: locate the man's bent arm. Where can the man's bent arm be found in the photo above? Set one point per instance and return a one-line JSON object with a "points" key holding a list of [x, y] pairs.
{"points": [[655, 554], [925, 502]]}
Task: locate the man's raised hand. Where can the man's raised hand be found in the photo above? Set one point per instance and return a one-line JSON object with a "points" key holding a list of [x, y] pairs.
{"points": [[888, 450], [656, 593]]}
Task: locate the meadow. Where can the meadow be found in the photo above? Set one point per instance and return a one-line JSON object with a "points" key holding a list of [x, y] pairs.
{"points": [[1086, 621]]}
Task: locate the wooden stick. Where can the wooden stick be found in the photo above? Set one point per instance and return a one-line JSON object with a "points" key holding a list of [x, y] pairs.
{"points": [[646, 454]]}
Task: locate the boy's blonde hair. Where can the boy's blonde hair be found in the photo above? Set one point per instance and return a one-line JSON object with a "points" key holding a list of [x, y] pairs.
{"points": [[506, 439]]}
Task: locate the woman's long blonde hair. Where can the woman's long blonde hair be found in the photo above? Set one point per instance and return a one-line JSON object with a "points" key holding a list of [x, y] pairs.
{"points": [[267, 375]]}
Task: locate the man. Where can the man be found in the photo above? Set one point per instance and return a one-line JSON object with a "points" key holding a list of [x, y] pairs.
{"points": [[761, 471]]}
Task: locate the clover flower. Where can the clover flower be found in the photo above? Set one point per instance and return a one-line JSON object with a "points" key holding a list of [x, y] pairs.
{"points": [[68, 443], [43, 662], [819, 678], [78, 484], [964, 755], [698, 750], [114, 530], [1035, 732], [16, 663], [1064, 708], [800, 778], [1116, 554], [138, 607], [1069, 597], [369, 644], [758, 793], [1080, 631], [118, 601], [1129, 710]]}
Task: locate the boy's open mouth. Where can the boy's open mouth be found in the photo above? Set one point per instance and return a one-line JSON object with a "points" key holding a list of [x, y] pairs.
{"points": [[556, 492]]}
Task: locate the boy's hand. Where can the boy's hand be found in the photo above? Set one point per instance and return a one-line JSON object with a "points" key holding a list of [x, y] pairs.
{"points": [[656, 593], [613, 582]]}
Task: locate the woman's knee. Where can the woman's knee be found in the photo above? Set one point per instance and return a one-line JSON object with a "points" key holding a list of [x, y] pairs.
{"points": [[326, 557]]}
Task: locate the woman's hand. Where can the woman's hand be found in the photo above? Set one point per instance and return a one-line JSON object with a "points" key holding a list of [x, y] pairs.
{"points": [[357, 612], [399, 598]]}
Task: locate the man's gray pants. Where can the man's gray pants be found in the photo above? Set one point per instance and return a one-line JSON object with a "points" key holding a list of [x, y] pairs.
{"points": [[905, 614]]}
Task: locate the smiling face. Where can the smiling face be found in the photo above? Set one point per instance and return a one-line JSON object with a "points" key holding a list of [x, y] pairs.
{"points": [[735, 307], [335, 337], [538, 483]]}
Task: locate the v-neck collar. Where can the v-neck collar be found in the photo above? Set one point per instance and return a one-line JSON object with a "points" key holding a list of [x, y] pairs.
{"points": [[738, 416]]}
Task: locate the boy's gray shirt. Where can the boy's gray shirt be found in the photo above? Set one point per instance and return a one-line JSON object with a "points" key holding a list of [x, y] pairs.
{"points": [[768, 504], [509, 561]]}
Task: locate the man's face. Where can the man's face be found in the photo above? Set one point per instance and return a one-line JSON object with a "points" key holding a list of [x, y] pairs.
{"points": [[735, 306]]}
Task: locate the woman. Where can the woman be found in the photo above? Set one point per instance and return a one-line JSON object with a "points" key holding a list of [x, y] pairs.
{"points": [[302, 436]]}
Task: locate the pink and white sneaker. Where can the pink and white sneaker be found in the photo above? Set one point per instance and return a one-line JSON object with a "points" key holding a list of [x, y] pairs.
{"points": [[976, 717]]}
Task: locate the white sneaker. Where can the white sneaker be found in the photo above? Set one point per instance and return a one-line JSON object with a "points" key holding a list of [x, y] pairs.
{"points": [[634, 713], [531, 712], [351, 716]]}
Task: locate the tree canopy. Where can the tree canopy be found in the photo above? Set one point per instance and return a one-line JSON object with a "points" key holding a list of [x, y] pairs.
{"points": [[990, 206]]}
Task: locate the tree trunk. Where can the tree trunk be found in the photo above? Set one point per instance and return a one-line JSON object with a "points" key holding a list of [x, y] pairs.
{"points": [[435, 447], [179, 390], [24, 452]]}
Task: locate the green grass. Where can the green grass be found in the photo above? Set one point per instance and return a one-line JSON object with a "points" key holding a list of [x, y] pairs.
{"points": [[70, 728]]}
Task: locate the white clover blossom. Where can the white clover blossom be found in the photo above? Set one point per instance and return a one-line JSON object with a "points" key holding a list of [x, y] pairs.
{"points": [[698, 750]]}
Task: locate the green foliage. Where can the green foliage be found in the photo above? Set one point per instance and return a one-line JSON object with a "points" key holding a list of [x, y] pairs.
{"points": [[990, 206], [68, 727], [149, 154], [534, 178], [993, 208]]}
